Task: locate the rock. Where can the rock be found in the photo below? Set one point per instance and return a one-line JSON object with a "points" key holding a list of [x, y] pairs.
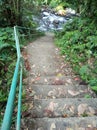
{"points": [[46, 13]]}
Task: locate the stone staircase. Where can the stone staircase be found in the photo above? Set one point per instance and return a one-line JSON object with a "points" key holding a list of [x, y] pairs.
{"points": [[59, 101], [57, 106]]}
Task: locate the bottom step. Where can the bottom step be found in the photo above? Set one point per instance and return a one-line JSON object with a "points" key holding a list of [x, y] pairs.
{"points": [[79, 123]]}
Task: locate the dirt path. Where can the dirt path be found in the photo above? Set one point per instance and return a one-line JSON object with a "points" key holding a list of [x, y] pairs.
{"points": [[53, 90], [44, 57], [45, 60]]}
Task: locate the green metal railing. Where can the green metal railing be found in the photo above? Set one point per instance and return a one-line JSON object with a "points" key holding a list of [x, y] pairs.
{"points": [[6, 125], [19, 33]]}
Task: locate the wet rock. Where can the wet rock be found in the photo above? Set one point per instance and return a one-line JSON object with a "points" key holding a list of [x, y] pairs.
{"points": [[50, 20]]}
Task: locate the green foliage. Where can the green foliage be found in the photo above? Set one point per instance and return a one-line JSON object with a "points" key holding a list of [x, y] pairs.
{"points": [[87, 8], [10, 12], [17, 12], [87, 96], [7, 63], [78, 41], [54, 3]]}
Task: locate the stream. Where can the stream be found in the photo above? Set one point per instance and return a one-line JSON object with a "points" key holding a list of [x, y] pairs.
{"points": [[50, 20]]}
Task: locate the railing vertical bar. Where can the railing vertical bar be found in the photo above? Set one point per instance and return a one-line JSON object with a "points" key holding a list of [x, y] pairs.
{"points": [[17, 42], [19, 101]]}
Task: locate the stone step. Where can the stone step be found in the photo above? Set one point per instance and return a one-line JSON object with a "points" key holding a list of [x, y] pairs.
{"points": [[61, 91], [68, 107], [73, 123], [54, 80]]}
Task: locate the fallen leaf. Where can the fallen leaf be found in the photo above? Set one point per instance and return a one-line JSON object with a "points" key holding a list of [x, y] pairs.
{"points": [[45, 80], [82, 109], [73, 93], [33, 66], [50, 93], [33, 81], [27, 65], [38, 78], [51, 106], [53, 126], [59, 75], [48, 113], [68, 81], [72, 109], [91, 128], [91, 111], [57, 81], [26, 114], [76, 79], [64, 115]]}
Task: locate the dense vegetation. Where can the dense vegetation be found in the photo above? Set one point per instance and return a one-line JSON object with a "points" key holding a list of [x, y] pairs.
{"points": [[78, 41]]}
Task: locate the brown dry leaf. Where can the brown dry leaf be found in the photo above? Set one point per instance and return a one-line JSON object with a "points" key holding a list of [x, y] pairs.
{"points": [[30, 106], [25, 80], [51, 106], [26, 114], [48, 113], [91, 128], [73, 93], [27, 65], [37, 78], [68, 81], [61, 91], [64, 115], [50, 93], [91, 111], [82, 109], [76, 79], [33, 81], [57, 81], [72, 109]]}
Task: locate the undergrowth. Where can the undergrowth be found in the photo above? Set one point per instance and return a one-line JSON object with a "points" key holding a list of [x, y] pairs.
{"points": [[78, 42]]}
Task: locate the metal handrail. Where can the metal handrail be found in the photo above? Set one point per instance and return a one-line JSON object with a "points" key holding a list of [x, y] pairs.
{"points": [[6, 125]]}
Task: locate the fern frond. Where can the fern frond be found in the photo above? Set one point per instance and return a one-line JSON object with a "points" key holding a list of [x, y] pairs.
{"points": [[2, 46]]}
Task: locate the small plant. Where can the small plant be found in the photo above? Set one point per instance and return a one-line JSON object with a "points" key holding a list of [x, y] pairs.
{"points": [[87, 96]]}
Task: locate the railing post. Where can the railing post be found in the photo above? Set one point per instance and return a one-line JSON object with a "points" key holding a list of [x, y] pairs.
{"points": [[19, 100]]}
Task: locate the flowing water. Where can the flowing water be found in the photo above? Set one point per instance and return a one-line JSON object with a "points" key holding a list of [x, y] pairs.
{"points": [[49, 20]]}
